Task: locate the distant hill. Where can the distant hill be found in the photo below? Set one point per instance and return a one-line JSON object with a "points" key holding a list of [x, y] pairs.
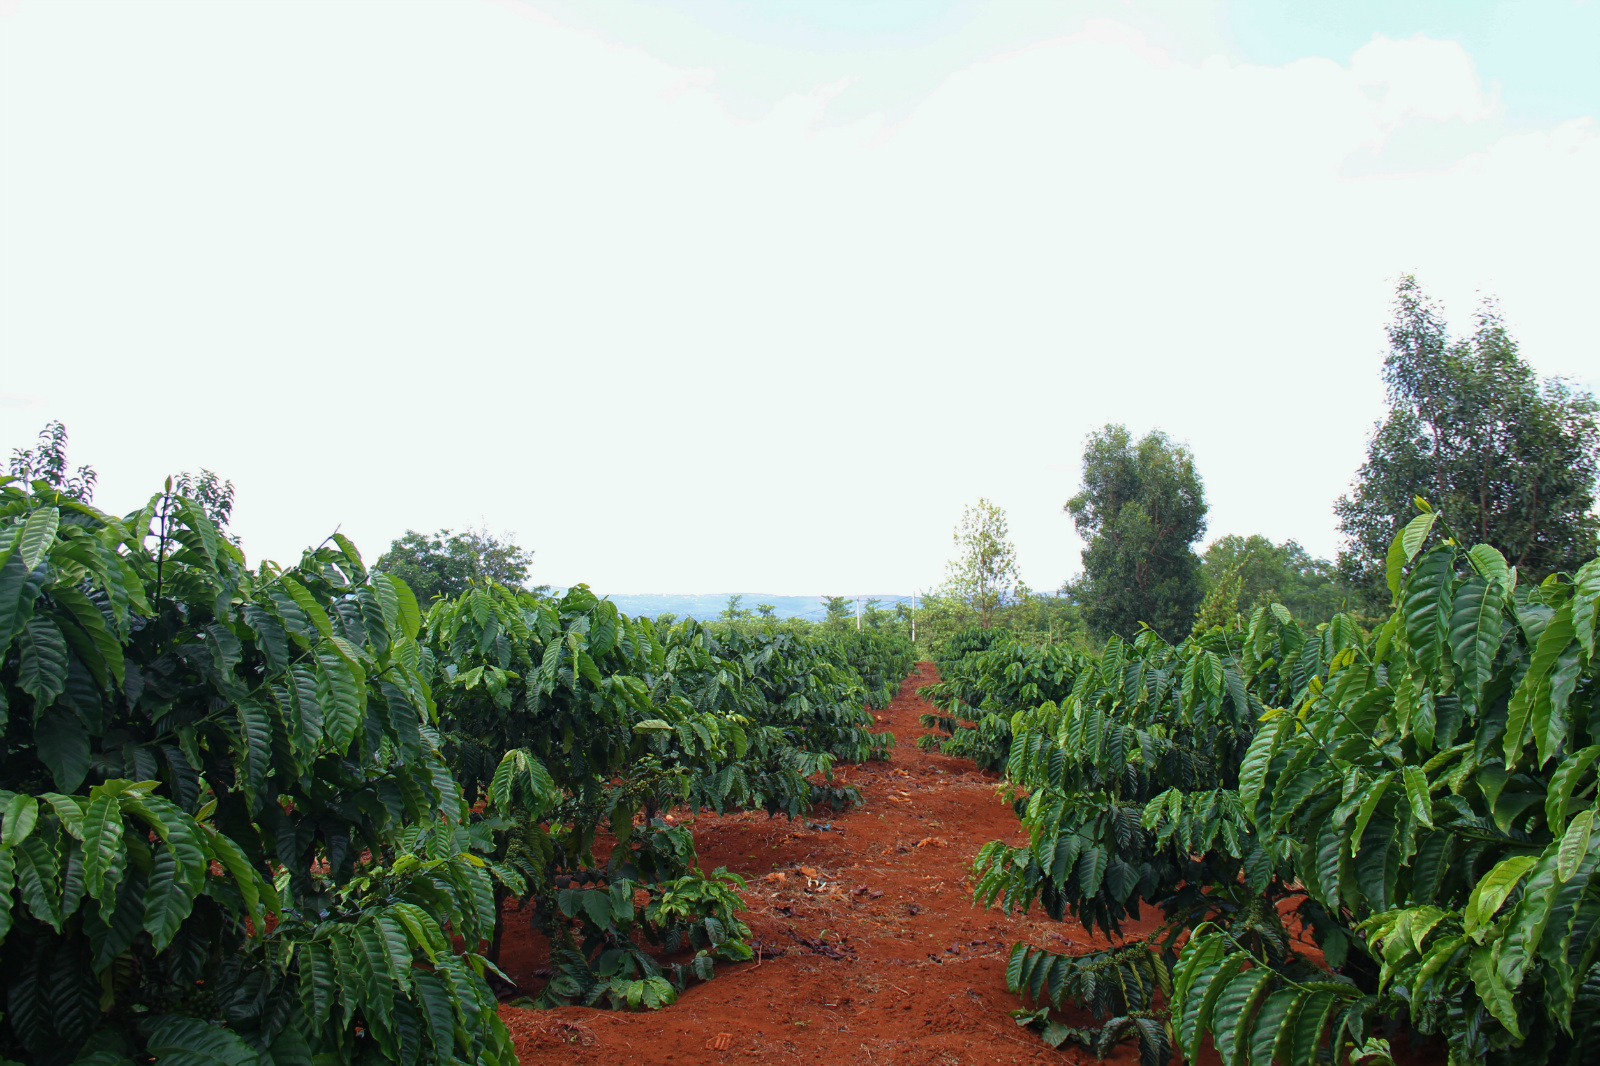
{"points": [[710, 605]]}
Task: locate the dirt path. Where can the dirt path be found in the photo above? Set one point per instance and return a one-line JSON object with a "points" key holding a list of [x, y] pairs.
{"points": [[883, 958]]}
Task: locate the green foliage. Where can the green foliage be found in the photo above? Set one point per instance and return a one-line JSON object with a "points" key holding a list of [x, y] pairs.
{"points": [[1243, 573], [1509, 461], [570, 719], [1119, 986], [445, 565], [1049, 617], [964, 642], [598, 924], [1140, 510], [223, 801], [48, 463], [983, 576], [1132, 777], [880, 658], [228, 795], [839, 613], [210, 490], [733, 612], [981, 691], [1255, 1011], [1426, 790]]}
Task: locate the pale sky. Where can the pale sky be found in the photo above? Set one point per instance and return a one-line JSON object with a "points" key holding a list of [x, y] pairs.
{"points": [[700, 296]]}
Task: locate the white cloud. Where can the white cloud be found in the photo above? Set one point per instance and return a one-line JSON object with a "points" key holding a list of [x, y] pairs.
{"points": [[1421, 78], [429, 264]]}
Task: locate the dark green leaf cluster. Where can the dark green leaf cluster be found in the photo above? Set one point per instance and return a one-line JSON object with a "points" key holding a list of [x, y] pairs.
{"points": [[1131, 776], [1119, 986], [444, 565], [569, 718], [1243, 573], [980, 691], [1426, 790], [1140, 510], [222, 800], [1255, 1012]]}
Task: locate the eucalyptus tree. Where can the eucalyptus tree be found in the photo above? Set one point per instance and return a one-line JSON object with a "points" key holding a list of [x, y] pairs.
{"points": [[1508, 460], [1141, 509]]}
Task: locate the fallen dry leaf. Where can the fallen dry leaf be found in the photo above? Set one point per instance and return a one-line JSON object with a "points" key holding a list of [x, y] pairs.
{"points": [[568, 1033]]}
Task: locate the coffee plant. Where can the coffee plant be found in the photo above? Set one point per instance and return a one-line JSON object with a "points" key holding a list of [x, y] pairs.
{"points": [[980, 689], [223, 801], [572, 722], [1419, 798], [273, 815]]}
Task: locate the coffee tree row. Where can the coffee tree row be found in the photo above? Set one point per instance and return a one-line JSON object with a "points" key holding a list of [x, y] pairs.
{"points": [[263, 815], [1419, 798], [571, 719]]}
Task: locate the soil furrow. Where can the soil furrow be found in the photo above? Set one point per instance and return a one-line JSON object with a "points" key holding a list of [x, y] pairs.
{"points": [[870, 949]]}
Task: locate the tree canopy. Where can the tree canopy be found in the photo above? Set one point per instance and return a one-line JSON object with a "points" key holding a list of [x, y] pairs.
{"points": [[1243, 573], [445, 564], [1141, 508], [838, 608], [734, 611], [984, 574], [1505, 458], [48, 463]]}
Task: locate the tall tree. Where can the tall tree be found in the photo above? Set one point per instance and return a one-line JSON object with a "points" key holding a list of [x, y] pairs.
{"points": [[734, 612], [838, 612], [1141, 508], [446, 563], [1506, 459], [984, 574]]}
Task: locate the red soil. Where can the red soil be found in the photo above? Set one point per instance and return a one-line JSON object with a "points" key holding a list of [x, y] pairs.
{"points": [[922, 977]]}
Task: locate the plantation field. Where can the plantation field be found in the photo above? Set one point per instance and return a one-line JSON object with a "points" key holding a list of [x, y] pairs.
{"points": [[914, 975], [284, 816]]}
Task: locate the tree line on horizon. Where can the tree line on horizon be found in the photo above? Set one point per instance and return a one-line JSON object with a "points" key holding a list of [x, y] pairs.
{"points": [[1506, 458]]}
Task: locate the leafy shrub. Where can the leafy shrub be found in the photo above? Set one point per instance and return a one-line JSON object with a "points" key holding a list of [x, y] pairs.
{"points": [[223, 801], [1426, 792], [568, 718], [982, 689]]}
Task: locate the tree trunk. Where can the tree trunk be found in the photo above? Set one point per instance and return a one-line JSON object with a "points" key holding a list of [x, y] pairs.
{"points": [[501, 894]]}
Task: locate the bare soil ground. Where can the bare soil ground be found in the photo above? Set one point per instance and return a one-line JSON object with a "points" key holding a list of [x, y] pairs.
{"points": [[870, 949]]}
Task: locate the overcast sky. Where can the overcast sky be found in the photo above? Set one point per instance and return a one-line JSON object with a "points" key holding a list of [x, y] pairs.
{"points": [[701, 296]]}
